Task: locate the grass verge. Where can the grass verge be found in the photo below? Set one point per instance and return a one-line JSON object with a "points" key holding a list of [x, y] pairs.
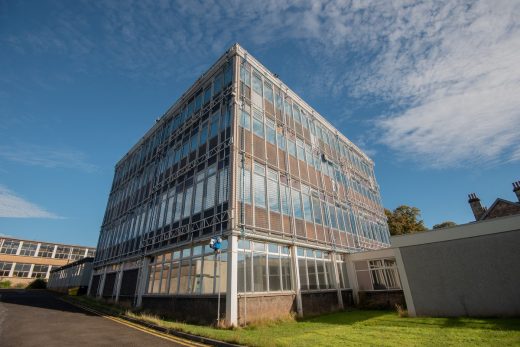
{"points": [[352, 328]]}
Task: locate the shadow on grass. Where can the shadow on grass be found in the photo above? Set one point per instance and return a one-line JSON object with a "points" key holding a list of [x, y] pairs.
{"points": [[390, 319], [508, 324], [346, 317]]}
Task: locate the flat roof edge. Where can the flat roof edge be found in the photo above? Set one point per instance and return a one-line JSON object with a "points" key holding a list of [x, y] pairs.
{"points": [[48, 242], [231, 52], [473, 229]]}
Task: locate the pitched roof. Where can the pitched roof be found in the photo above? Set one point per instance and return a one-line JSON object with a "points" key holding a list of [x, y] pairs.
{"points": [[496, 204]]}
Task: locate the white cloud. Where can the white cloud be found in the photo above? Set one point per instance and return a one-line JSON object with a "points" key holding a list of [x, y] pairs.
{"points": [[457, 71], [47, 157], [14, 206], [449, 69]]}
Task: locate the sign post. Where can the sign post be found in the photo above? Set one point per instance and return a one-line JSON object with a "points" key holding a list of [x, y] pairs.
{"points": [[216, 244]]}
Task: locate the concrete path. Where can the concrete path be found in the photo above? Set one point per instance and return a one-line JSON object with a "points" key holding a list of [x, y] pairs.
{"points": [[39, 318]]}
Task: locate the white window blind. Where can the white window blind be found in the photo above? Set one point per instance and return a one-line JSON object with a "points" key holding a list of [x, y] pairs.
{"points": [[223, 185], [209, 198], [187, 202]]}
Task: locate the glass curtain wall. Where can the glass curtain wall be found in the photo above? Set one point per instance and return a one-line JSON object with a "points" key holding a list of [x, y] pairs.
{"points": [[193, 270], [263, 267]]}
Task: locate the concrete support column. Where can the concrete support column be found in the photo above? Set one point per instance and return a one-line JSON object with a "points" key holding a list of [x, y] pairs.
{"points": [[37, 250], [336, 279], [119, 280], [89, 288], [232, 282], [11, 273], [296, 281], [48, 275], [352, 278], [31, 270], [410, 306], [101, 283], [54, 251], [19, 248], [142, 278]]}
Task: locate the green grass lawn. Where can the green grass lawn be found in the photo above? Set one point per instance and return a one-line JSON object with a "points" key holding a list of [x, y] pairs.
{"points": [[359, 328]]}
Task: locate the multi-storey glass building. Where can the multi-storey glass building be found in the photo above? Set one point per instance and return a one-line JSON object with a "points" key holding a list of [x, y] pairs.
{"points": [[22, 261], [242, 157]]}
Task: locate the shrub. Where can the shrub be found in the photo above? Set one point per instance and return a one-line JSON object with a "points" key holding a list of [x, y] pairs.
{"points": [[5, 284], [37, 284]]}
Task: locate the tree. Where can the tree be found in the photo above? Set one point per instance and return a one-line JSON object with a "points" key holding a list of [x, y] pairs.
{"points": [[405, 220], [445, 224]]}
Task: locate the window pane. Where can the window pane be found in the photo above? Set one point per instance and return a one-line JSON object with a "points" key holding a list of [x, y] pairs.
{"points": [[281, 141], [9, 247], [245, 186], [303, 273], [298, 212], [274, 273], [174, 275], [257, 84], [218, 83], [333, 220], [169, 210], [223, 185], [244, 265], [210, 192], [273, 195], [207, 94], [322, 274], [187, 202], [46, 251], [268, 91], [317, 210], [184, 276], [39, 271], [244, 244], [214, 124], [196, 272], [259, 186], [259, 272], [245, 75], [307, 207], [259, 246], [311, 268], [221, 281], [157, 279], [178, 207], [28, 249], [165, 277], [271, 134], [203, 134], [286, 207], [286, 273], [258, 127], [5, 268], [245, 120], [330, 274], [292, 148], [199, 193], [208, 274]]}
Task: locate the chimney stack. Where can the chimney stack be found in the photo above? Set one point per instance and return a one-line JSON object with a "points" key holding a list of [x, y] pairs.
{"points": [[476, 206], [516, 189]]}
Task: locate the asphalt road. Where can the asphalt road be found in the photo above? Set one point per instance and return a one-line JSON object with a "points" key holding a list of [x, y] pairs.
{"points": [[40, 318]]}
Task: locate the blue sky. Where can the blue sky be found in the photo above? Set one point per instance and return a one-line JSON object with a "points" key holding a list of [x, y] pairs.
{"points": [[429, 90]]}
